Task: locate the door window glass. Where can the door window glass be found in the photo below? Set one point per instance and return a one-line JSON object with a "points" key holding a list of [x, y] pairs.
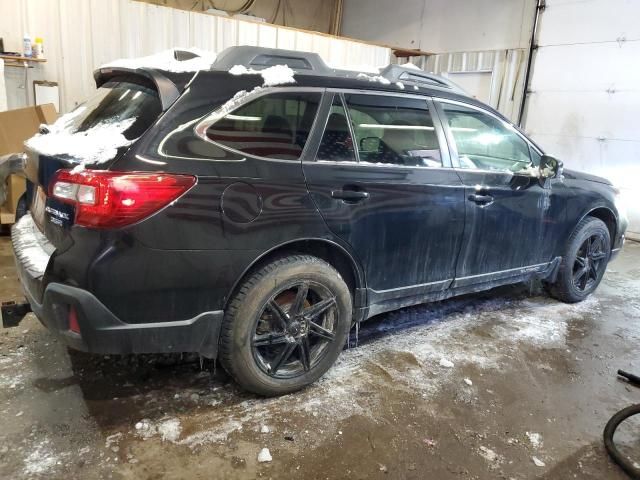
{"points": [[337, 144], [394, 130], [535, 157], [272, 126], [484, 142]]}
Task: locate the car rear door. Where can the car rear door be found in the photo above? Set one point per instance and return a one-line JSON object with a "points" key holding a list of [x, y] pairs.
{"points": [[383, 183], [507, 206]]}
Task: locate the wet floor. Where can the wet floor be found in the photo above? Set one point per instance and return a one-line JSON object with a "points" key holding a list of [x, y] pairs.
{"points": [[509, 384]]}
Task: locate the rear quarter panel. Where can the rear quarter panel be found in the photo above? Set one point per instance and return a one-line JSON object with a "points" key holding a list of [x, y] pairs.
{"points": [[186, 258]]}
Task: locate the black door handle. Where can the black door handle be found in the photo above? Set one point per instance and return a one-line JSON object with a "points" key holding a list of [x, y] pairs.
{"points": [[481, 199], [350, 195]]}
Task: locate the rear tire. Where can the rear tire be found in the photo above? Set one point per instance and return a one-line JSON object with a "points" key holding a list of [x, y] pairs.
{"points": [[286, 325], [584, 261]]}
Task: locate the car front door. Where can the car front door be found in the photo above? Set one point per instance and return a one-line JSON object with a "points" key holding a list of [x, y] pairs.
{"points": [[383, 184], [507, 206]]}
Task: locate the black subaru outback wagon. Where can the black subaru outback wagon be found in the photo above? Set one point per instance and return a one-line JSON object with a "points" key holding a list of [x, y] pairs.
{"points": [[256, 210]]}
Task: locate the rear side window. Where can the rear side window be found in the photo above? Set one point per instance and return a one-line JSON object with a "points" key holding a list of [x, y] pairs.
{"points": [[394, 130], [127, 99], [484, 142], [272, 126], [337, 144]]}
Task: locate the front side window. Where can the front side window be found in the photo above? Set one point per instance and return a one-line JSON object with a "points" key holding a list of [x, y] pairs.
{"points": [[273, 126], [394, 130], [484, 142]]}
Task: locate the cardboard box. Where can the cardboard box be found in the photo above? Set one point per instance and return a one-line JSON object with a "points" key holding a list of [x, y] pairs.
{"points": [[16, 126]]}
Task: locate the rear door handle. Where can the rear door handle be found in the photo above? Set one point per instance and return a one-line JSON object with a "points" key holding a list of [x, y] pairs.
{"points": [[481, 199], [350, 195]]}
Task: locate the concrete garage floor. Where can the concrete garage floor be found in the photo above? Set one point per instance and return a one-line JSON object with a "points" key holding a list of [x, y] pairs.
{"points": [[542, 384]]}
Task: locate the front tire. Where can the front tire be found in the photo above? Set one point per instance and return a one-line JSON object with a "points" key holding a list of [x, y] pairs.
{"points": [[286, 325], [584, 262]]}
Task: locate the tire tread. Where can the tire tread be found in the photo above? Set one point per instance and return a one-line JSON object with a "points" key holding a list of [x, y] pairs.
{"points": [[560, 289], [251, 282]]}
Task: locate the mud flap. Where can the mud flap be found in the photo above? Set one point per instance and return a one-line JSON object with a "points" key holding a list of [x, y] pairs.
{"points": [[13, 313]]}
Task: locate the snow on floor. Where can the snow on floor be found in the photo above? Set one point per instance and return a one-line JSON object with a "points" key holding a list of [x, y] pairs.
{"points": [[406, 354], [41, 460]]}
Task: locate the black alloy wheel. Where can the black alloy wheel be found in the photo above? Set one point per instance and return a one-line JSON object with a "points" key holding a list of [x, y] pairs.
{"points": [[293, 330], [286, 325], [584, 261], [589, 262]]}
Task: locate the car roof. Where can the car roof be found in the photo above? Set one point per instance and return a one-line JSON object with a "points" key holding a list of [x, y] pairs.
{"points": [[309, 71]]}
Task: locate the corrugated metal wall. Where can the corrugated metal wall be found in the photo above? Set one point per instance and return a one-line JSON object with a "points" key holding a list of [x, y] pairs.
{"points": [[586, 90], [505, 66], [81, 35]]}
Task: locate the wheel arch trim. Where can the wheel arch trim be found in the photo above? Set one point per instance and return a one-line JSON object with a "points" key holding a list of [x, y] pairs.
{"points": [[610, 219], [359, 285]]}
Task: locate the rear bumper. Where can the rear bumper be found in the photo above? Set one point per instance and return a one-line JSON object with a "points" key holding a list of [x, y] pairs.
{"points": [[100, 330]]}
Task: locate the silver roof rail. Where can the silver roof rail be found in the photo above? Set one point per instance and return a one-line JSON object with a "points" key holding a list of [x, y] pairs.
{"points": [[398, 73], [308, 63]]}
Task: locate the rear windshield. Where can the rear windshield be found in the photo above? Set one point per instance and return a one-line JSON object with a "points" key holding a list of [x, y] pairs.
{"points": [[120, 99]]}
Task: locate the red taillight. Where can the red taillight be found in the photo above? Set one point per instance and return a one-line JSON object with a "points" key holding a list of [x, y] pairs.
{"points": [[105, 199], [74, 326]]}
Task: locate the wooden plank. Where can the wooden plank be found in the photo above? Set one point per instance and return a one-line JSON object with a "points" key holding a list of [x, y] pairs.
{"points": [[22, 59]]}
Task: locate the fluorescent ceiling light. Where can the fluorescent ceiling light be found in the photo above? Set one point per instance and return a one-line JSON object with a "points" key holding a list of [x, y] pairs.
{"points": [[245, 118], [463, 129], [394, 127]]}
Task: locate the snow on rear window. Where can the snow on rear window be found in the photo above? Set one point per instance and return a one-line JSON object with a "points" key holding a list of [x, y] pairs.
{"points": [[120, 112], [95, 145]]}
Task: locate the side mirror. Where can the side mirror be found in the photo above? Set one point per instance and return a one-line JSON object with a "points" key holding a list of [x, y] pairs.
{"points": [[550, 167]]}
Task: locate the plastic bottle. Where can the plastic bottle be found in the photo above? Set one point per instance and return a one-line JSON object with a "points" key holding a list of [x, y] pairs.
{"points": [[38, 48], [26, 45]]}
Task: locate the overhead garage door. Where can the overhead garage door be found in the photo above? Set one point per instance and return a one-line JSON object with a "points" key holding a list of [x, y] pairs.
{"points": [[585, 105]]}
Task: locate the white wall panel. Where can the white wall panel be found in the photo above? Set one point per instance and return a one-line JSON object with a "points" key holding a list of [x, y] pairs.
{"points": [[247, 33], [595, 156], [589, 21], [104, 15], [267, 36], [585, 114], [386, 21], [304, 41], [81, 35], [441, 25], [226, 32], [286, 39], [586, 91], [597, 66], [76, 54]]}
